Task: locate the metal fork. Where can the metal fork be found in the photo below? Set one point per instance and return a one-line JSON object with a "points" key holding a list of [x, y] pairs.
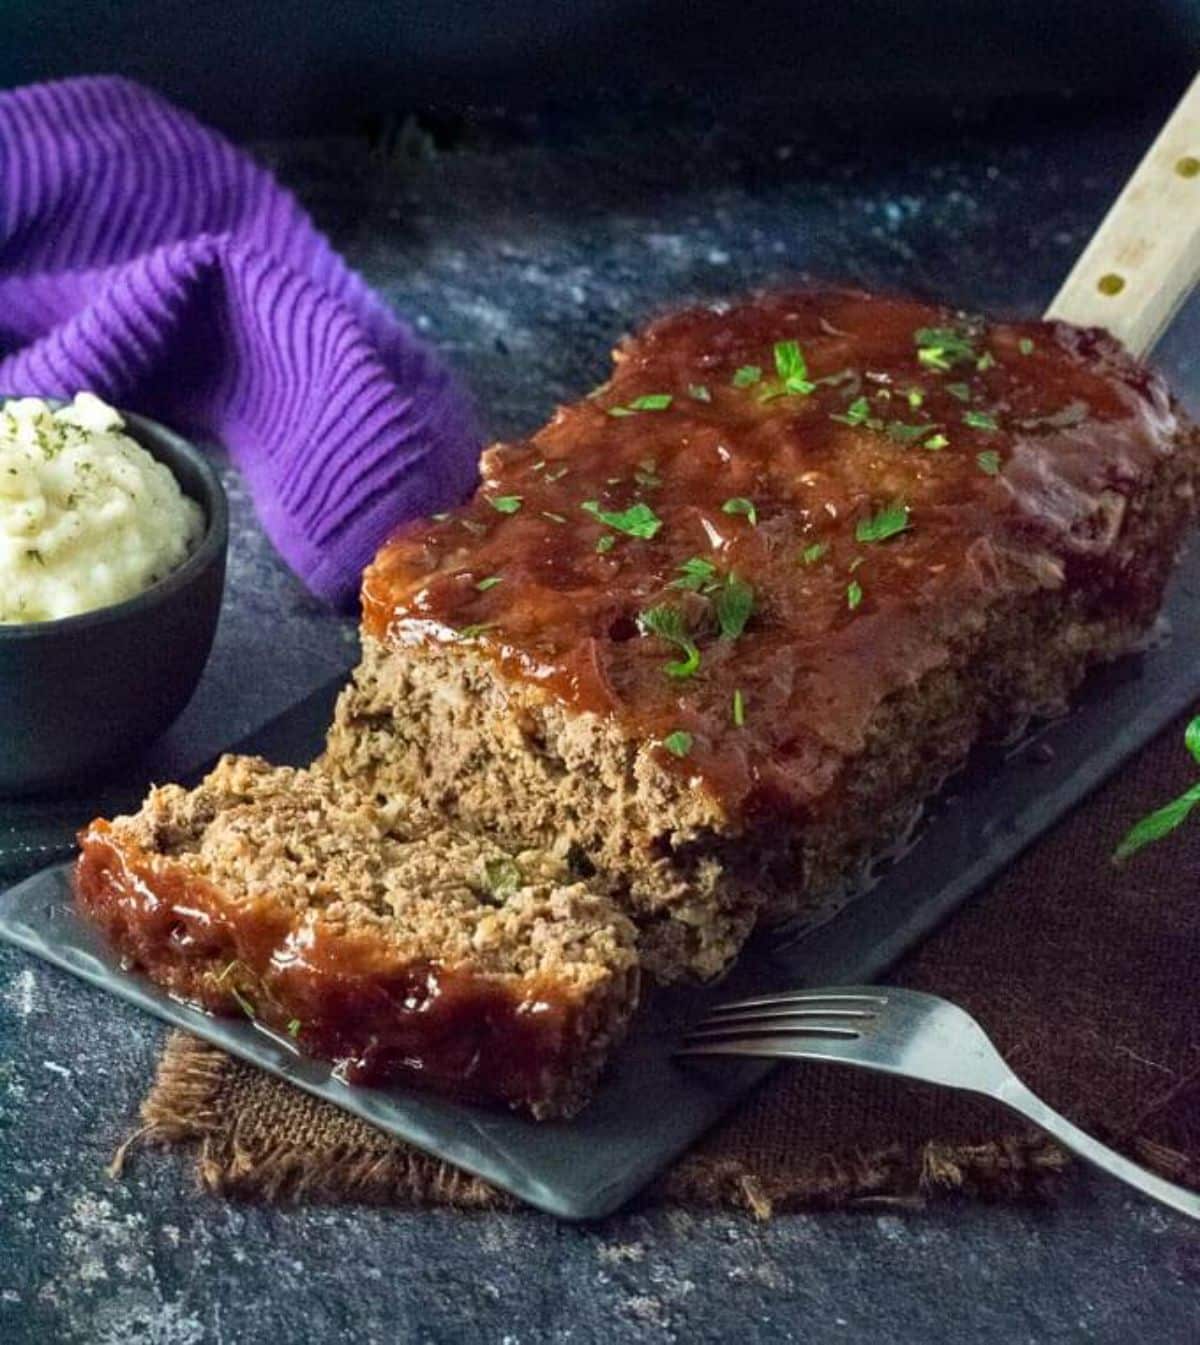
{"points": [[911, 1034]]}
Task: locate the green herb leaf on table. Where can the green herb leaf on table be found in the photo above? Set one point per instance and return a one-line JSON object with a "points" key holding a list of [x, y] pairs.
{"points": [[989, 462], [639, 520], [888, 522], [936, 442], [699, 393], [668, 624], [960, 391], [490, 582], [854, 594], [739, 708], [1157, 825], [811, 554], [1025, 346], [1164, 820], [293, 1027], [679, 743], [505, 504], [747, 376], [605, 543]]}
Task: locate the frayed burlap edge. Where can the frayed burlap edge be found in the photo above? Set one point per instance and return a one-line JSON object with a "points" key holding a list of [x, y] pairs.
{"points": [[185, 1107]]}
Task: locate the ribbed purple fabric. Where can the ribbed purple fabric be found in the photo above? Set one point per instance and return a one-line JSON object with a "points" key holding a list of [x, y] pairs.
{"points": [[146, 259]]}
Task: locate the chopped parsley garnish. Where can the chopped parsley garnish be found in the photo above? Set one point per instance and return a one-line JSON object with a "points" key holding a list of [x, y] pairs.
{"points": [[679, 743], [979, 420], [1025, 346], [941, 348], [473, 632], [740, 505], [960, 390], [639, 520], [985, 362], [747, 376], [490, 582], [1164, 820], [792, 368], [890, 520], [811, 554], [651, 401], [695, 574], [857, 413], [667, 623], [936, 441], [605, 543], [915, 397], [293, 1027], [989, 462], [735, 603], [901, 433], [739, 708], [854, 594], [505, 504], [502, 876], [699, 393], [647, 474]]}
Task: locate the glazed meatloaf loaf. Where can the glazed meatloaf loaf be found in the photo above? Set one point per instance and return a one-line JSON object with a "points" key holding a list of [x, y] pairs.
{"points": [[715, 632], [427, 956]]}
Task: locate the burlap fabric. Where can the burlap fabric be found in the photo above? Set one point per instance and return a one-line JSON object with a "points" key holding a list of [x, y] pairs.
{"points": [[1085, 975]]}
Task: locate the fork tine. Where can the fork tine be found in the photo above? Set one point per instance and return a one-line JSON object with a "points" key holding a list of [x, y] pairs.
{"points": [[808, 1027], [729, 1016], [785, 1047], [849, 998]]}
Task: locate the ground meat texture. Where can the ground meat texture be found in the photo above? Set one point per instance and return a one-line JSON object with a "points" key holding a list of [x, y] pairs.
{"points": [[401, 952], [715, 632]]}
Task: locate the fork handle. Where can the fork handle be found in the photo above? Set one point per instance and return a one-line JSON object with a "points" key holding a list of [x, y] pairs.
{"points": [[1014, 1094]]}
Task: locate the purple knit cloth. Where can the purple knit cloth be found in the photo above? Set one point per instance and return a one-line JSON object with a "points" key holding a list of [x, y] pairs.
{"points": [[146, 259]]}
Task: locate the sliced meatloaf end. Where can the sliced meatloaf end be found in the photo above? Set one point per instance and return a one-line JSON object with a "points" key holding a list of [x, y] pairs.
{"points": [[415, 954]]}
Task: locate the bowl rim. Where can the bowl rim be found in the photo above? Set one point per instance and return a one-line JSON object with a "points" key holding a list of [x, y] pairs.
{"points": [[215, 503]]}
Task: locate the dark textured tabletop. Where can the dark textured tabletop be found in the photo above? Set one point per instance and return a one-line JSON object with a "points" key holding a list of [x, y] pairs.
{"points": [[524, 256]]}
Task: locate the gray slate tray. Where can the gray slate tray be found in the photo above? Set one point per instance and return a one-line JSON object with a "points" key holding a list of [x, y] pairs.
{"points": [[652, 1107]]}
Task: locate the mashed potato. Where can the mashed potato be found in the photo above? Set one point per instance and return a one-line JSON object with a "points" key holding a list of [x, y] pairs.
{"points": [[87, 517]]}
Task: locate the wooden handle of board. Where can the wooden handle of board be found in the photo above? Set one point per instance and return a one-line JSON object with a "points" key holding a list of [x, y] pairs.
{"points": [[1144, 259]]}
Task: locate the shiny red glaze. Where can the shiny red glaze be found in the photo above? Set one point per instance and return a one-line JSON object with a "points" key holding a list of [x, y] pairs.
{"points": [[379, 1016], [1079, 424]]}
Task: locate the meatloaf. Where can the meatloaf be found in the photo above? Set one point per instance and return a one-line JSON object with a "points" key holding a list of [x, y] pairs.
{"points": [[714, 632], [429, 956]]}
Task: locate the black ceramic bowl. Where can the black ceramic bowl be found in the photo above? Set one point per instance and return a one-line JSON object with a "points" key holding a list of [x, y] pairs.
{"points": [[80, 694]]}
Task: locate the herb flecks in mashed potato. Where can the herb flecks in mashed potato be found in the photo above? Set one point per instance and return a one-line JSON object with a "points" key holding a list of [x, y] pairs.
{"points": [[87, 517]]}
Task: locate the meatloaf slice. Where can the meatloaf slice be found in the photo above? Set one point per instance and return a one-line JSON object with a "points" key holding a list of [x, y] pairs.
{"points": [[717, 630], [430, 957]]}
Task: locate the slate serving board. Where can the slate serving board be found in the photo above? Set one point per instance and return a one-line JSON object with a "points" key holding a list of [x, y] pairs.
{"points": [[651, 1107]]}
